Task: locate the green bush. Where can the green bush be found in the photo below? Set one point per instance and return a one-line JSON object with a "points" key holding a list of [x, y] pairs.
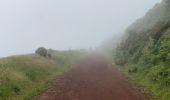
{"points": [[133, 70], [42, 52]]}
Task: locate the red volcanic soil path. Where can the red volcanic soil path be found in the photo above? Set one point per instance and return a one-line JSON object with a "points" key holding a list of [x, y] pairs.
{"points": [[92, 79]]}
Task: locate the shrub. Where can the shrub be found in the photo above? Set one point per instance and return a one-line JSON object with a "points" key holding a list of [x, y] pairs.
{"points": [[133, 70], [42, 51]]}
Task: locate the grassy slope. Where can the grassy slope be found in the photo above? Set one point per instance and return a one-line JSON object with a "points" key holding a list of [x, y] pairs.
{"points": [[144, 55], [23, 77], [71, 56]]}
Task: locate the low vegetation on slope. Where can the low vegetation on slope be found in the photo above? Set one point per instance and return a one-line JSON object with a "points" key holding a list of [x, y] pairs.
{"points": [[144, 55], [71, 56], [23, 77]]}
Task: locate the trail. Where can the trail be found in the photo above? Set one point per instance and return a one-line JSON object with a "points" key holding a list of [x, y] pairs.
{"points": [[93, 78]]}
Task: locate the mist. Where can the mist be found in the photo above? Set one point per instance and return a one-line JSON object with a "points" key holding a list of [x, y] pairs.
{"points": [[26, 25]]}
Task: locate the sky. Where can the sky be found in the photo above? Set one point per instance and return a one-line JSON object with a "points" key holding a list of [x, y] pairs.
{"points": [[26, 25]]}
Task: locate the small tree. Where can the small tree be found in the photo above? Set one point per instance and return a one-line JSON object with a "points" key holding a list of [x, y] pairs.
{"points": [[42, 52]]}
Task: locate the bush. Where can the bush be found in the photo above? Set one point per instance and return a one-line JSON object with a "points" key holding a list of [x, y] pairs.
{"points": [[42, 52], [133, 70]]}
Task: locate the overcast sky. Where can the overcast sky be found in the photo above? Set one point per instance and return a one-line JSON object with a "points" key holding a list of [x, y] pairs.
{"points": [[64, 24]]}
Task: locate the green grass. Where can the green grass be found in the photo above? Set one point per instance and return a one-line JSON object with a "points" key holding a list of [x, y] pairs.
{"points": [[24, 77], [71, 56], [154, 90]]}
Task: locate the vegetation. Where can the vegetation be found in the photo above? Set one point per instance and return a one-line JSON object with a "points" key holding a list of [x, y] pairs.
{"points": [[144, 54], [42, 51], [71, 56], [23, 77]]}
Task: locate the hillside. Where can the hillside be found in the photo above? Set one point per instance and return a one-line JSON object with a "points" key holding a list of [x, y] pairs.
{"points": [[144, 53], [23, 77], [71, 56]]}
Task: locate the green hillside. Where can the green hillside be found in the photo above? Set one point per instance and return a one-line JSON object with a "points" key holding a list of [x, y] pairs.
{"points": [[144, 53], [23, 77]]}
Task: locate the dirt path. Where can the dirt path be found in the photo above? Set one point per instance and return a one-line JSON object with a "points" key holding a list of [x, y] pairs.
{"points": [[92, 79]]}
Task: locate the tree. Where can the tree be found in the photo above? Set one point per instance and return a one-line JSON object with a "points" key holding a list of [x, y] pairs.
{"points": [[42, 52]]}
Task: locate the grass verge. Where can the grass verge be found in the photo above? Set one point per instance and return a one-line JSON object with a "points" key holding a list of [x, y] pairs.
{"points": [[24, 77], [152, 90]]}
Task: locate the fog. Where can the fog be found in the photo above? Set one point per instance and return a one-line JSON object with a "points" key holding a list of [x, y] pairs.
{"points": [[64, 24]]}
